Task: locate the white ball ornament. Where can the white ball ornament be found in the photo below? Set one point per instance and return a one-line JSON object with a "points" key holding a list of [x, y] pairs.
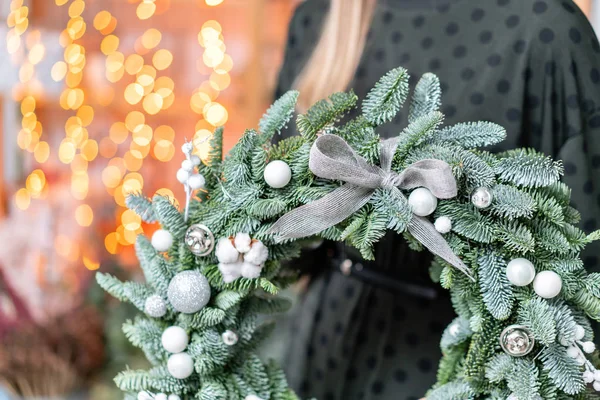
{"points": [[174, 397], [175, 339], [160, 396], [180, 365], [155, 306], [482, 197], [230, 338], [579, 332], [188, 292], [422, 202], [162, 240], [182, 175], [277, 174], [520, 272], [443, 224], [589, 347], [547, 284], [196, 182]]}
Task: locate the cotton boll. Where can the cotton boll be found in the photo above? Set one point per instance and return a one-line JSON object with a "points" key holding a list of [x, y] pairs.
{"points": [[226, 252], [243, 242], [258, 254], [588, 347], [231, 271], [251, 271]]}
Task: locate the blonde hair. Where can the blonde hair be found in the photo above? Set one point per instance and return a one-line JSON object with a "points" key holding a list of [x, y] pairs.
{"points": [[335, 58]]}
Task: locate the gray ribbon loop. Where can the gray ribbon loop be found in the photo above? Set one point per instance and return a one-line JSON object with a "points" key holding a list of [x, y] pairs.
{"points": [[332, 158]]}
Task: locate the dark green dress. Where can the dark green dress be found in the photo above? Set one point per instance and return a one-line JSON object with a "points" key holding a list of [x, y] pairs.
{"points": [[532, 66]]}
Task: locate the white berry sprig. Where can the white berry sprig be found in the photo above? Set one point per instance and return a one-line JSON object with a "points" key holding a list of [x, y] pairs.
{"points": [[188, 175], [576, 349]]}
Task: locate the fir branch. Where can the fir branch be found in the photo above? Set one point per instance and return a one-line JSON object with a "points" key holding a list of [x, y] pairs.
{"points": [[416, 133], [169, 216], [157, 271], [324, 113], [471, 135], [468, 221], [267, 208], [511, 203], [215, 156], [394, 206], [455, 390], [142, 206], [498, 367], [368, 233], [538, 316], [427, 97], [145, 334], [562, 369], [278, 115], [495, 288], [387, 97], [526, 167], [205, 318], [516, 237], [227, 299], [523, 380]]}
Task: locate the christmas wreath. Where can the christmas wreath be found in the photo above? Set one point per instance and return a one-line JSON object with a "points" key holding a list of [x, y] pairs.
{"points": [[500, 227]]}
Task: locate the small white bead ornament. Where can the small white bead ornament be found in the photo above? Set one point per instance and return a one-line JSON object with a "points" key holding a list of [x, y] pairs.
{"points": [[588, 347], [180, 365], [482, 197], [186, 175], [162, 240], [175, 339], [422, 202], [252, 397], [230, 338], [240, 256], [155, 306], [547, 284], [443, 224], [161, 396], [520, 272], [277, 174], [174, 397], [144, 395], [579, 332]]}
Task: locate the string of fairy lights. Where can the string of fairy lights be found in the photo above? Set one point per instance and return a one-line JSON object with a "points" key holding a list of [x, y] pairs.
{"points": [[141, 77]]}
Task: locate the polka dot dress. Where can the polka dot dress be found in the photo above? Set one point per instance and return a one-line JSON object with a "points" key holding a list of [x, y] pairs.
{"points": [[532, 66]]}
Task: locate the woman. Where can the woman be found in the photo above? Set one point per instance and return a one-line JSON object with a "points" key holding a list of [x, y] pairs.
{"points": [[532, 66]]}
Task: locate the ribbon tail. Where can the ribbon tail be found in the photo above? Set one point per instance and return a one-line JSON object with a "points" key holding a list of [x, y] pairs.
{"points": [[425, 233], [321, 214]]}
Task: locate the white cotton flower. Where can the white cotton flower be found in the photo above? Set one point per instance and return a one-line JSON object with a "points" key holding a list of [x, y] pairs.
{"points": [[230, 271], [251, 271], [243, 242], [258, 254], [226, 252]]}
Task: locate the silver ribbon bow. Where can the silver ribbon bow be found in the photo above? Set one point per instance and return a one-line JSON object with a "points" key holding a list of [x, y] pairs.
{"points": [[332, 158]]}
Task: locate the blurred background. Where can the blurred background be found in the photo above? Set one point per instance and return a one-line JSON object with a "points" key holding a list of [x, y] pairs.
{"points": [[96, 99]]}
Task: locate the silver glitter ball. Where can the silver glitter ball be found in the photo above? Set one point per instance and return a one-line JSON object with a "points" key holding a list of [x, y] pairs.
{"points": [[200, 240], [517, 340], [230, 338], [188, 292], [482, 197], [155, 306]]}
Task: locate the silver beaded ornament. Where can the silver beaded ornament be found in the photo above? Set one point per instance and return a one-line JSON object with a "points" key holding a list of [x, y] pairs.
{"points": [[230, 338], [482, 197], [517, 340], [200, 240], [188, 292], [155, 306]]}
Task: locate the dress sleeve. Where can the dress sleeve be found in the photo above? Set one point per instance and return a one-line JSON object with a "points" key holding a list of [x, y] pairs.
{"points": [[561, 113]]}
